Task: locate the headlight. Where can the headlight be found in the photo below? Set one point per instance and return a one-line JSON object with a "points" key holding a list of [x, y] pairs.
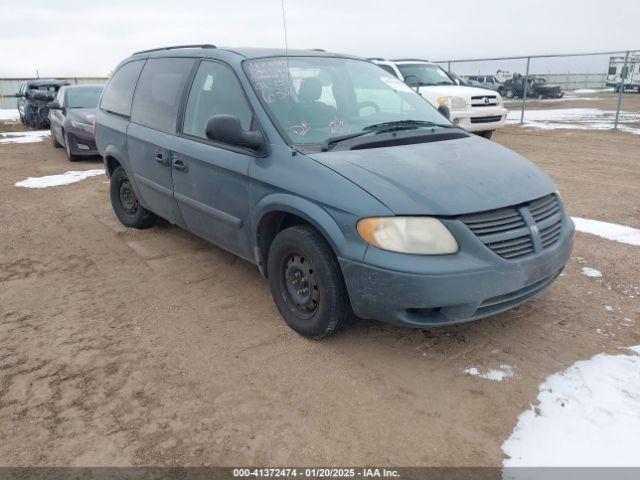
{"points": [[500, 102], [416, 235], [453, 103], [82, 126]]}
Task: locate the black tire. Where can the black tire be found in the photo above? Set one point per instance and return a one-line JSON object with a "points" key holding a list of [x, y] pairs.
{"points": [[509, 93], [125, 202], [67, 148], [324, 307], [486, 134], [54, 140]]}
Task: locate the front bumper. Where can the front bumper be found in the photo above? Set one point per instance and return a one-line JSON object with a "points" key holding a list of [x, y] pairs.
{"points": [[479, 119], [443, 290], [81, 142]]}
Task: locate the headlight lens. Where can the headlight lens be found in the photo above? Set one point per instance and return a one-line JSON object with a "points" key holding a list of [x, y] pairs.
{"points": [[500, 101], [453, 103], [82, 126], [415, 235]]}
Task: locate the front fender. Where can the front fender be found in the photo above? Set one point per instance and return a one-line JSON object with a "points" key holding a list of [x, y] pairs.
{"points": [[311, 212]]}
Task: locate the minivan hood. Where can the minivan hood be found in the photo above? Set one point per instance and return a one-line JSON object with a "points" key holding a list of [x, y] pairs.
{"points": [[450, 177]]}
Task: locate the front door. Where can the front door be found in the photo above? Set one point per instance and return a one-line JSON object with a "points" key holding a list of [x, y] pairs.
{"points": [[210, 180], [151, 136]]}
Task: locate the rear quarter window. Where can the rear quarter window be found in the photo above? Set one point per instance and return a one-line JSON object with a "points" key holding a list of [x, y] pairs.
{"points": [[159, 91], [119, 91]]}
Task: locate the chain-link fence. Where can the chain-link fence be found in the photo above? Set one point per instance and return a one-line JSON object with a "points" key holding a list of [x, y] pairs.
{"points": [[588, 91]]}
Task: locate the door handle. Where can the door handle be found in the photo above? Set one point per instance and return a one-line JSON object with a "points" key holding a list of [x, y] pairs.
{"points": [[180, 165], [160, 159]]}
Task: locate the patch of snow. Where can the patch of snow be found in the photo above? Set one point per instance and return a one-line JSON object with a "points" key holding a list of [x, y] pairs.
{"points": [[591, 272], [497, 375], [61, 179], [587, 416], [610, 231], [593, 90], [575, 118], [608, 308], [24, 137], [9, 114]]}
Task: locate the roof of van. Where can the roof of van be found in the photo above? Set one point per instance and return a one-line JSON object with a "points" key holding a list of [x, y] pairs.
{"points": [[245, 52]]}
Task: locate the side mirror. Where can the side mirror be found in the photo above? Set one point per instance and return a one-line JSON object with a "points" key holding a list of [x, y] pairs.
{"points": [[227, 129], [54, 105], [444, 111], [413, 81]]}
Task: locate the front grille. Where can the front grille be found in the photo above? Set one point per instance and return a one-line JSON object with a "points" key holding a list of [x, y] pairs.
{"points": [[518, 231], [484, 101], [491, 119]]}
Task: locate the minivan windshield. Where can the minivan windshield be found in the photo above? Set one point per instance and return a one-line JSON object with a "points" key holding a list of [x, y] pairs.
{"points": [[85, 97], [427, 74], [313, 100]]}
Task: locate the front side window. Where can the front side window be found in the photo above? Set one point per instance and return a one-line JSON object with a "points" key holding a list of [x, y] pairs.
{"points": [[119, 91], [313, 99], [427, 74], [158, 94], [85, 97], [215, 91]]}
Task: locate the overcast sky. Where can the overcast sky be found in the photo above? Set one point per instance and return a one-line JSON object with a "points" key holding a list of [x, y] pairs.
{"points": [[89, 38]]}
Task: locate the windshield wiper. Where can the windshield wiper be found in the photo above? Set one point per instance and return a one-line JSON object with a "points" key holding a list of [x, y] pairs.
{"points": [[382, 128], [329, 142], [403, 124]]}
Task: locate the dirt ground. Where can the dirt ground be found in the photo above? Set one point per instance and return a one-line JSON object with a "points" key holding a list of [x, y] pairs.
{"points": [[125, 347]]}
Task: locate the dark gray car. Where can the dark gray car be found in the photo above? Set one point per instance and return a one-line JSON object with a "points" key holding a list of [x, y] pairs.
{"points": [[349, 191], [71, 117]]}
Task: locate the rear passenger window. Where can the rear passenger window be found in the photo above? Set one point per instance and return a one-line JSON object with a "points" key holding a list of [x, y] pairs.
{"points": [[215, 91], [158, 93], [119, 91]]}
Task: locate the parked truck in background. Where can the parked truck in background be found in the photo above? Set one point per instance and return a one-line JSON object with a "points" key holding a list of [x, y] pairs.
{"points": [[630, 73], [477, 110]]}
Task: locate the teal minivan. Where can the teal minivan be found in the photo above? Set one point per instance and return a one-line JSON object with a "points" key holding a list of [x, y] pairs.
{"points": [[349, 191]]}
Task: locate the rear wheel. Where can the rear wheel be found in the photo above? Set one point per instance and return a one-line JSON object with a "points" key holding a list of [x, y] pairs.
{"points": [[307, 284], [125, 202], [509, 92]]}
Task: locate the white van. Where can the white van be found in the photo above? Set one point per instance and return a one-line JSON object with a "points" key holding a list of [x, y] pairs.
{"points": [[477, 110]]}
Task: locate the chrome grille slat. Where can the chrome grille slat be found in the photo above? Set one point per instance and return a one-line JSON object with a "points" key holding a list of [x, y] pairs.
{"points": [[508, 235]]}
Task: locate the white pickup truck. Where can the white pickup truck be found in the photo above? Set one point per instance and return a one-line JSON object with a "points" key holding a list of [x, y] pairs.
{"points": [[477, 110]]}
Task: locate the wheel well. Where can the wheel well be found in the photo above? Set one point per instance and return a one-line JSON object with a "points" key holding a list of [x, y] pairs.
{"points": [[111, 164], [270, 225]]}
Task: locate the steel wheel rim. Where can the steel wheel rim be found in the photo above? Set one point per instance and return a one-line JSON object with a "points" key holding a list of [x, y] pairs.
{"points": [[301, 287], [128, 198]]}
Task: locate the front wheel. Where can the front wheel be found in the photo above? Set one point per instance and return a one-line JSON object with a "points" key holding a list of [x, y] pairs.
{"points": [[67, 148], [125, 202], [307, 284], [54, 140], [486, 134], [509, 92]]}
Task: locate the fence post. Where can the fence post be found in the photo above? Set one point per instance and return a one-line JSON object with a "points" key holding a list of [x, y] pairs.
{"points": [[623, 74], [524, 93], [449, 67]]}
